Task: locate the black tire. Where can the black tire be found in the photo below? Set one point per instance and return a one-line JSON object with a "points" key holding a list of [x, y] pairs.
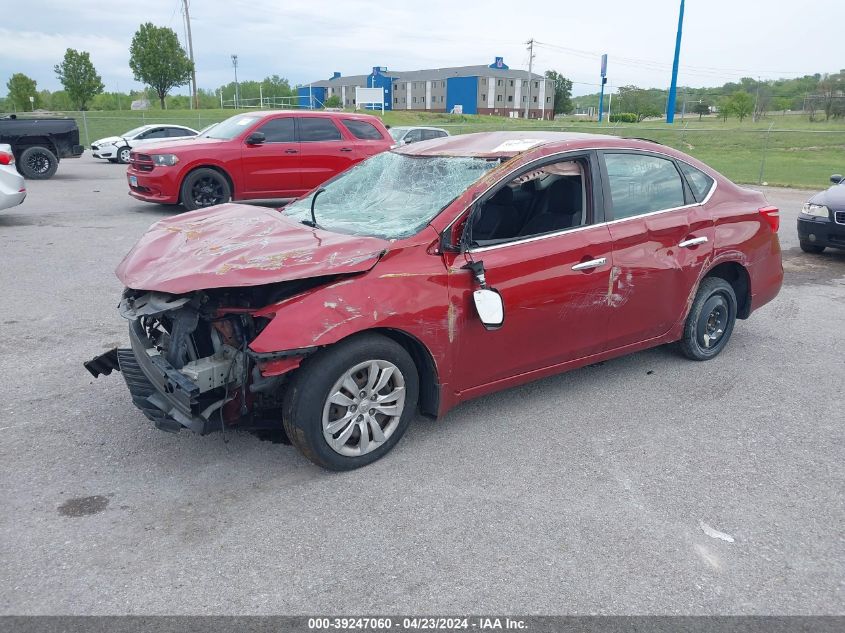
{"points": [[811, 248], [308, 394], [712, 316], [38, 163], [123, 155], [204, 187]]}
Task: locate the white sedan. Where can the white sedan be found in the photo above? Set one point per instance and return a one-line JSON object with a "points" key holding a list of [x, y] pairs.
{"points": [[12, 186], [116, 149]]}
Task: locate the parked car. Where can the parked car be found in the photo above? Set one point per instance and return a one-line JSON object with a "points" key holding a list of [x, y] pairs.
{"points": [[277, 154], [431, 274], [404, 135], [12, 185], [38, 143], [822, 220], [116, 149]]}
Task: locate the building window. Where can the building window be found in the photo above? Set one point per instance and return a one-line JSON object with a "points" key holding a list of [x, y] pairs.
{"points": [[395, 99], [510, 98], [524, 98], [548, 99], [353, 102], [511, 83], [524, 83], [441, 98], [403, 99], [415, 99], [535, 99], [396, 86], [498, 97], [499, 82], [536, 84]]}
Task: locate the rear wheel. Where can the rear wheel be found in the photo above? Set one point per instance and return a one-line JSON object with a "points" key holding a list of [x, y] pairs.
{"points": [[710, 321], [38, 163], [123, 155], [204, 188], [349, 405], [807, 247]]}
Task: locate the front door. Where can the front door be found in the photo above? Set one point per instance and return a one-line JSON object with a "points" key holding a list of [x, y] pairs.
{"points": [[661, 241], [271, 169], [552, 268]]}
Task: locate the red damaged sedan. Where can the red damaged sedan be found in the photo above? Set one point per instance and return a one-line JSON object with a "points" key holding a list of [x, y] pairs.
{"points": [[431, 274], [257, 155]]}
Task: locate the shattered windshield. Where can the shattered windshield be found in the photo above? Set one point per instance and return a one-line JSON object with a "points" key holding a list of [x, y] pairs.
{"points": [[391, 195]]}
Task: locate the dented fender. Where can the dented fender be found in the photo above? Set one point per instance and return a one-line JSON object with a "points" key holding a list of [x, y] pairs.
{"points": [[385, 297]]}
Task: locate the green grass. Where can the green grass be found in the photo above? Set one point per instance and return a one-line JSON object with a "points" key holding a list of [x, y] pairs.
{"points": [[800, 153]]}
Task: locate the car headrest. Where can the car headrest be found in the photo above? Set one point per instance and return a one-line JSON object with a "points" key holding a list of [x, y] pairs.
{"points": [[503, 196], [565, 196]]}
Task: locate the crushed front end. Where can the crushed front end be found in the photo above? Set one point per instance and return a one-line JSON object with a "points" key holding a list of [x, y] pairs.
{"points": [[189, 364]]}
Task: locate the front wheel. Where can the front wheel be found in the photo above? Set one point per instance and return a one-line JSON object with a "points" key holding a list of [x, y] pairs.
{"points": [[350, 404], [710, 321], [811, 248], [204, 188], [38, 163], [123, 155]]}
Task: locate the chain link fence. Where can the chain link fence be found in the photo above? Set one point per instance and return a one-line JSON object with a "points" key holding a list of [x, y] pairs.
{"points": [[772, 155]]}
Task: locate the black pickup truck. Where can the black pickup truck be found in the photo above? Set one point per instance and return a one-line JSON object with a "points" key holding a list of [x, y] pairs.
{"points": [[39, 143]]}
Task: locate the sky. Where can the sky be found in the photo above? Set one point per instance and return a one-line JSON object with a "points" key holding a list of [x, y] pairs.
{"points": [[307, 40]]}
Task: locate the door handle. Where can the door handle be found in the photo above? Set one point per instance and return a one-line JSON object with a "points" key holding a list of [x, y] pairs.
{"points": [[345, 149], [291, 151], [695, 241], [593, 263]]}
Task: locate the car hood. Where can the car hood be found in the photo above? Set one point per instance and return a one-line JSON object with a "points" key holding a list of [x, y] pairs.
{"points": [[176, 144], [108, 140], [233, 245], [833, 198]]}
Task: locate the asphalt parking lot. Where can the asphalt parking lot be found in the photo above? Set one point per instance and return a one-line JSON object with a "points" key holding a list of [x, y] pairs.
{"points": [[648, 484]]}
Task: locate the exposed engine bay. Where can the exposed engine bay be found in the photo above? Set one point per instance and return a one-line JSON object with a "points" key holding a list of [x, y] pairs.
{"points": [[190, 365]]}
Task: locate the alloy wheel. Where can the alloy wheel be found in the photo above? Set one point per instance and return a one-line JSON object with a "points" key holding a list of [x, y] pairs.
{"points": [[364, 408], [39, 163], [207, 191]]}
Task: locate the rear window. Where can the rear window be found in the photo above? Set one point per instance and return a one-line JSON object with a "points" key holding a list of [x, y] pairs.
{"points": [[699, 182], [314, 129], [363, 130]]}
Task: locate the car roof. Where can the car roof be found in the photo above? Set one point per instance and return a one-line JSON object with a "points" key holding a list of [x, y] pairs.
{"points": [[497, 144], [316, 113]]}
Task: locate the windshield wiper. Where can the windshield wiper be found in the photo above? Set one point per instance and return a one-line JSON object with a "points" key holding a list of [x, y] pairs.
{"points": [[313, 221]]}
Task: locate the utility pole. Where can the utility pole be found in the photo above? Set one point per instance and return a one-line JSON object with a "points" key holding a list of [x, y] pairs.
{"points": [[684, 107], [673, 88], [530, 71], [235, 64], [756, 100], [194, 102]]}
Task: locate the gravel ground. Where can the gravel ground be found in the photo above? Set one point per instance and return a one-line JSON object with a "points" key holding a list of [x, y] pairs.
{"points": [[648, 484]]}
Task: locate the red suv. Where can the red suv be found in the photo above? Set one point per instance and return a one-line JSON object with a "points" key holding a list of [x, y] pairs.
{"points": [[257, 155]]}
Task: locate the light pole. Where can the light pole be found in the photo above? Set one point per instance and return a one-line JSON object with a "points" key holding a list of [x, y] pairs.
{"points": [[673, 89], [235, 65]]}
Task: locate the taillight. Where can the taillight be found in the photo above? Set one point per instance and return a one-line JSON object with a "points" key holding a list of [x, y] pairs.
{"points": [[772, 216], [7, 159]]}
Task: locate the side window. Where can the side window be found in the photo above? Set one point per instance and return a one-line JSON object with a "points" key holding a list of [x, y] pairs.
{"points": [[548, 199], [642, 184], [278, 130], [413, 136], [429, 134], [318, 129], [699, 182], [158, 132], [363, 130]]}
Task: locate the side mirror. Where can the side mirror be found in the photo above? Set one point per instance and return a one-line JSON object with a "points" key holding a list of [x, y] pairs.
{"points": [[256, 138], [836, 179], [490, 308]]}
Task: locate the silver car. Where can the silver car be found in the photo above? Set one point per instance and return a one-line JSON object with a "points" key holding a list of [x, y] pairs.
{"points": [[411, 134], [12, 186]]}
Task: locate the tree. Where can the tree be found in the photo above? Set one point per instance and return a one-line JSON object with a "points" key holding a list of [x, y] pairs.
{"points": [[79, 77], [782, 104], [332, 102], [830, 87], [563, 92], [157, 59], [21, 88], [741, 104], [701, 108], [638, 101]]}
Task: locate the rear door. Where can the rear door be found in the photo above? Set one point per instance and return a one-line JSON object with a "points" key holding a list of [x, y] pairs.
{"points": [[326, 149], [369, 139], [271, 169], [662, 238]]}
